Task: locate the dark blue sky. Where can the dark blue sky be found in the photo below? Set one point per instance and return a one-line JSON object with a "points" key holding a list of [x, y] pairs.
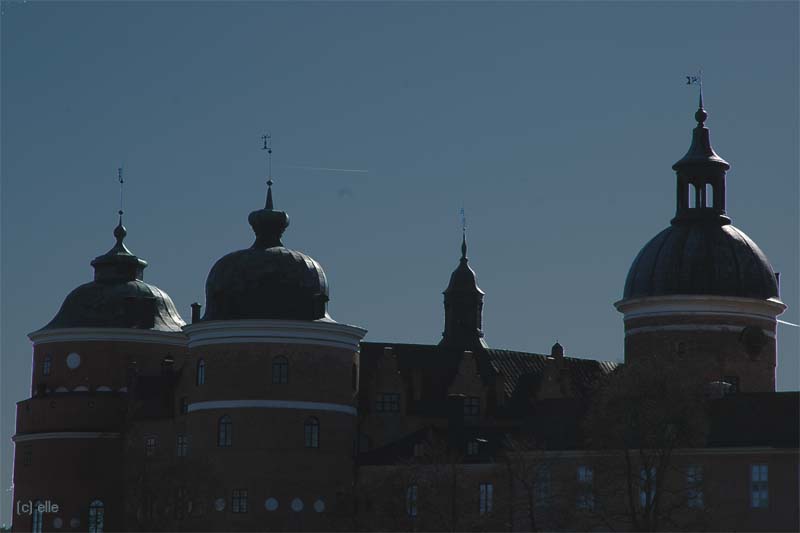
{"points": [[555, 125]]}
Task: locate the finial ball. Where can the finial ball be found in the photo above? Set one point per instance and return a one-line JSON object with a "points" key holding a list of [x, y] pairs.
{"points": [[700, 116], [269, 183]]}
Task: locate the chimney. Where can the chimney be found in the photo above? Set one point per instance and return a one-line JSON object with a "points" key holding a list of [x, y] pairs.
{"points": [[196, 312]]}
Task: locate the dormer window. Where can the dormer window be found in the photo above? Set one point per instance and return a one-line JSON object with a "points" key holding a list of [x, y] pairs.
{"points": [[472, 406], [388, 402], [46, 365]]}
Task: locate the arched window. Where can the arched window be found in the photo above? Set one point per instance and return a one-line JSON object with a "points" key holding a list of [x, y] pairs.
{"points": [[312, 432], [280, 370], [693, 194], [225, 432], [201, 372], [97, 516], [38, 517], [46, 364], [709, 195]]}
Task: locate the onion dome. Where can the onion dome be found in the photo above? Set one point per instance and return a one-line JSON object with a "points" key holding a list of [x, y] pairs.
{"points": [[463, 307], [701, 252], [118, 298], [267, 280]]}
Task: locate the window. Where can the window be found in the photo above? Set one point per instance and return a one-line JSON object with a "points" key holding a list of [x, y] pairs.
{"points": [[694, 486], [312, 432], [759, 486], [734, 382], [647, 486], [27, 455], [96, 517], [280, 370], [693, 194], [411, 501], [184, 405], [150, 444], [472, 406], [239, 501], [201, 372], [585, 497], [388, 403], [542, 485], [472, 447], [224, 432], [181, 504], [38, 517], [182, 445], [486, 498], [46, 365]]}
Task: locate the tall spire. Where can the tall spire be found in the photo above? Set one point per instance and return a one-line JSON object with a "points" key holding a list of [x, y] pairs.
{"points": [[701, 174], [268, 223], [463, 305]]}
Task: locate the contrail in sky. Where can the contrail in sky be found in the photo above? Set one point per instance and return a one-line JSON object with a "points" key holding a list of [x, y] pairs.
{"points": [[789, 323], [327, 169]]}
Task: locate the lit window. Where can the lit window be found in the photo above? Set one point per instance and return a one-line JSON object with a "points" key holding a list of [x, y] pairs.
{"points": [[472, 406], [694, 486], [411, 501], [472, 447], [150, 443], [647, 486], [312, 432], [182, 445], [486, 498], [280, 370], [388, 403], [184, 405], [46, 365], [96, 517], [542, 485], [224, 432], [38, 517], [585, 497], [201, 372], [759, 486], [239, 501]]}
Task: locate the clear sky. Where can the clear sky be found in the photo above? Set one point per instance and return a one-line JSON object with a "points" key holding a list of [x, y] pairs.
{"points": [[555, 125]]}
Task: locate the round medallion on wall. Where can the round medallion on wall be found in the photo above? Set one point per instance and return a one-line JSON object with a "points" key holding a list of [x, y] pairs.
{"points": [[73, 360], [271, 504], [75, 522], [319, 505], [297, 505], [219, 504], [57, 523]]}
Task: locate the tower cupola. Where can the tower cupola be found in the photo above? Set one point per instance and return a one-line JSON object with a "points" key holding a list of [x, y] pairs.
{"points": [[463, 307]]}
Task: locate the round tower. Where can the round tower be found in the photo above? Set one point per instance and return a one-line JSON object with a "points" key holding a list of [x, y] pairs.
{"points": [[270, 390], [71, 434], [702, 291]]}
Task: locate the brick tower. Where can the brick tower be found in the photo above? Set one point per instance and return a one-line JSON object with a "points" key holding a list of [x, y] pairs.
{"points": [[70, 435], [701, 290], [270, 391]]}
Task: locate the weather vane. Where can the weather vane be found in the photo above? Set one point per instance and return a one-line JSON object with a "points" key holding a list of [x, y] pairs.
{"points": [[697, 80], [121, 182], [267, 138]]}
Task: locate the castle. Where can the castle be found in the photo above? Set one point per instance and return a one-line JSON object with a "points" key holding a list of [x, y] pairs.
{"points": [[265, 413]]}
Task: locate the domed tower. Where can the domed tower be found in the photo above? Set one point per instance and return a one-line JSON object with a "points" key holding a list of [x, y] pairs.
{"points": [[702, 290], [70, 434], [270, 398], [463, 307]]}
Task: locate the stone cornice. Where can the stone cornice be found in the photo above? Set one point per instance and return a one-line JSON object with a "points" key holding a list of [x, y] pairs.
{"points": [[318, 332], [149, 336], [692, 305]]}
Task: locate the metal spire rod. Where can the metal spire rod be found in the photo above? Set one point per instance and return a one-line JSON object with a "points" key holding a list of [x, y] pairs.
{"points": [[121, 182], [268, 147]]}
